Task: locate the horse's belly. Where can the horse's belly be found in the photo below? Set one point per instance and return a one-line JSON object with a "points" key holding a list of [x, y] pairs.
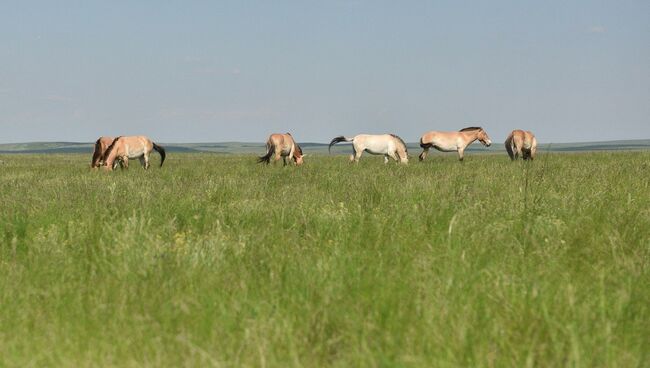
{"points": [[375, 152], [285, 151], [137, 153], [445, 148]]}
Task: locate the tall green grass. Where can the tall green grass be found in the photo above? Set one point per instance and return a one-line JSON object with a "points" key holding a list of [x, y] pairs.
{"points": [[217, 261]]}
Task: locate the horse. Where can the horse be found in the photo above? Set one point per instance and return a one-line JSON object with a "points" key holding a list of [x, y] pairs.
{"points": [[388, 145], [521, 143], [453, 141], [101, 145], [125, 148], [282, 145]]}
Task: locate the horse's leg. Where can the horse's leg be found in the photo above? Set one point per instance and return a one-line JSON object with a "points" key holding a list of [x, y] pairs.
{"points": [[144, 161], [385, 159], [518, 151], [425, 152], [358, 150], [284, 160], [357, 155], [278, 155], [393, 156], [461, 154], [533, 152], [125, 160], [354, 153], [291, 152]]}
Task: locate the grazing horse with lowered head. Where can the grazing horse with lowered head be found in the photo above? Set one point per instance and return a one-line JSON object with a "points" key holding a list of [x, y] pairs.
{"points": [[101, 145], [521, 143], [388, 145], [125, 148], [282, 145], [453, 141]]}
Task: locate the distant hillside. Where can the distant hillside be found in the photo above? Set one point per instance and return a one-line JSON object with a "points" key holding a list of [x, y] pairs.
{"points": [[244, 147]]}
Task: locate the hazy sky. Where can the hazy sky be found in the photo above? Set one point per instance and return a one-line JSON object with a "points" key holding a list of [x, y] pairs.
{"points": [[205, 71]]}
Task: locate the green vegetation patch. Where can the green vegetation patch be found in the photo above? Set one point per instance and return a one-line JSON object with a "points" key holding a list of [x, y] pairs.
{"points": [[215, 260]]}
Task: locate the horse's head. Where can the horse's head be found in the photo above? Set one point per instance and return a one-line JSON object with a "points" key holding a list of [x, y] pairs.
{"points": [[403, 156], [401, 150], [110, 155], [298, 157], [484, 138]]}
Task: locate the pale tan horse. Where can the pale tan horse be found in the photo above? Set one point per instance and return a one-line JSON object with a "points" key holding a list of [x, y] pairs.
{"points": [[388, 145], [521, 143], [125, 148], [101, 145], [453, 141], [282, 146]]}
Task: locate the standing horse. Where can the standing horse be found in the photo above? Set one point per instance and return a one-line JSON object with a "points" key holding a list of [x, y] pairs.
{"points": [[521, 143], [453, 141], [388, 145], [100, 150], [282, 145], [125, 148]]}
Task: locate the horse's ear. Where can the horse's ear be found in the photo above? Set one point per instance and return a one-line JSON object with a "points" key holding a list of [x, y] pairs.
{"points": [[305, 155]]}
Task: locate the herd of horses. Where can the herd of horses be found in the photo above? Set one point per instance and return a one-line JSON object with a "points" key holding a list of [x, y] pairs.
{"points": [[111, 152]]}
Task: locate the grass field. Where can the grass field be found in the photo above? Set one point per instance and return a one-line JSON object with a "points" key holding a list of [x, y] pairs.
{"points": [[214, 260]]}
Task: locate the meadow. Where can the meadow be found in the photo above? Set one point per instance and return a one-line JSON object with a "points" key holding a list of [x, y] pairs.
{"points": [[215, 260]]}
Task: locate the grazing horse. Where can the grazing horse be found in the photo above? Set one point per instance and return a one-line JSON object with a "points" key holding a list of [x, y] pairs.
{"points": [[453, 141], [124, 148], [282, 145], [388, 145], [521, 143], [100, 149]]}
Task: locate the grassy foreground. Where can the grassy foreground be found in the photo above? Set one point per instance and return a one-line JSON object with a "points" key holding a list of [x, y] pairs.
{"points": [[217, 261]]}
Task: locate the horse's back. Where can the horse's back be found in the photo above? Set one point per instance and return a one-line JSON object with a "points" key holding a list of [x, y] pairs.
{"points": [[283, 142], [373, 137], [105, 141], [523, 138], [437, 134], [133, 146]]}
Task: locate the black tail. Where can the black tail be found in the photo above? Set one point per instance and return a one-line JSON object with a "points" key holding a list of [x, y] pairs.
{"points": [[270, 148], [509, 149], [424, 145], [161, 151], [337, 140]]}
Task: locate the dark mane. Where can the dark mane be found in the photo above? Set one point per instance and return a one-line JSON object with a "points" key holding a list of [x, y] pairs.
{"points": [[399, 139], [470, 128], [298, 149], [110, 148]]}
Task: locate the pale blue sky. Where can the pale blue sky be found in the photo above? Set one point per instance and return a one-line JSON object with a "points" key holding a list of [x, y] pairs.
{"points": [[206, 71]]}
